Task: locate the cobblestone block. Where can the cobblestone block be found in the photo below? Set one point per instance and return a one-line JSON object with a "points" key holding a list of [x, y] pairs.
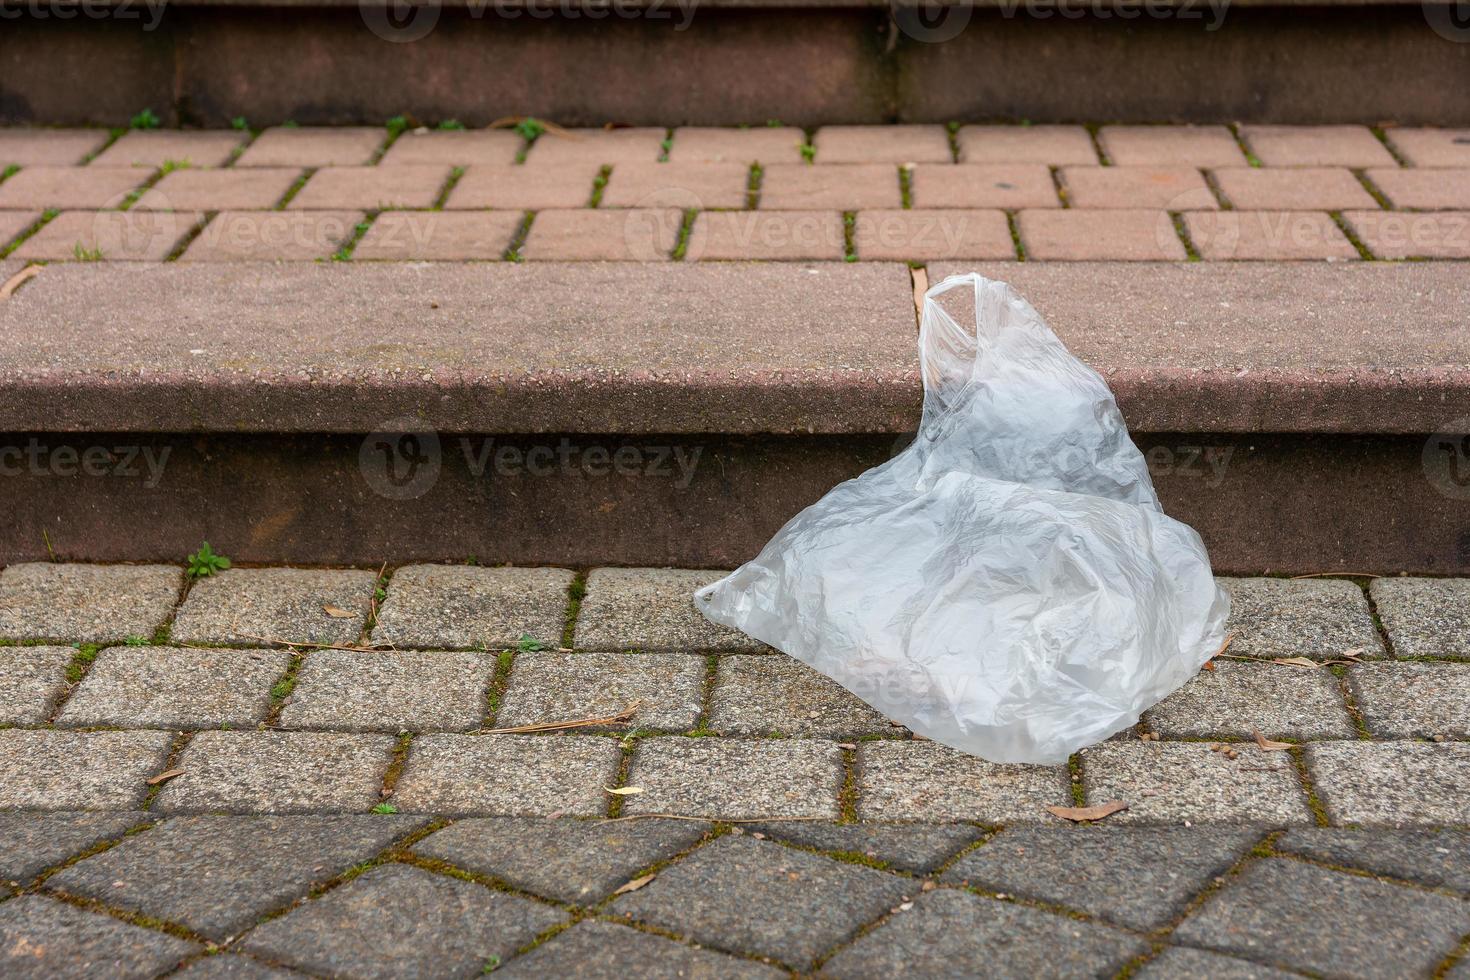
{"points": [[1292, 189], [42, 938], [758, 144], [457, 148], [1420, 188], [32, 842], [219, 875], [169, 687], [398, 921], [1425, 617], [1392, 784], [1137, 877], [439, 236], [1054, 145], [219, 190], [781, 695], [48, 147], [996, 185], [277, 772], [249, 236], [390, 691], [913, 847], [761, 898], [575, 861], [1239, 699], [1183, 963], [32, 680], [1414, 700], [736, 778], [1433, 858], [838, 187], [904, 780], [265, 606], [1431, 147], [677, 185], [336, 188], [933, 235], [882, 144], [69, 187], [1412, 234], [1076, 235], [1267, 235], [617, 235], [524, 188], [461, 607], [1316, 146], [231, 966], [508, 775], [596, 950], [133, 236], [1317, 618], [1193, 146], [154, 148], [553, 686], [50, 770], [1275, 908], [652, 609], [85, 603], [949, 933], [786, 236], [1175, 188], [313, 146], [1186, 782], [600, 147]]}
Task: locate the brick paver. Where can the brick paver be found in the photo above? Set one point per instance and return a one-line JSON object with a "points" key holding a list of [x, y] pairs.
{"points": [[1391, 783], [1267, 235], [443, 236], [416, 186], [41, 937], [166, 687], [1413, 700], [51, 770], [1431, 147], [882, 144], [242, 236], [790, 236], [1418, 188], [1317, 618], [461, 148], [1412, 235], [86, 603], [270, 606], [464, 607], [1053, 145], [313, 146], [12, 223], [1292, 189], [524, 188], [651, 609], [48, 147], [1316, 146], [31, 842], [154, 148], [220, 190], [600, 147], [737, 778], [997, 185], [916, 847], [1425, 617], [508, 775], [594, 948], [1076, 235], [1178, 782], [932, 235], [1173, 188], [91, 236], [1238, 699], [758, 144], [781, 695], [675, 185], [839, 187], [1433, 858], [70, 187], [904, 780], [618, 235], [549, 686], [389, 691], [1194, 146], [32, 680]]}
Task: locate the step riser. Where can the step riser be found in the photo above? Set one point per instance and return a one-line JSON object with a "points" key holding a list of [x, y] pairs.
{"points": [[205, 66], [1293, 504]]}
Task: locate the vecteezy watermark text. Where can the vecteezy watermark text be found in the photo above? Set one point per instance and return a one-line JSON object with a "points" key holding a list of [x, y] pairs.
{"points": [[36, 458], [148, 11], [403, 21]]}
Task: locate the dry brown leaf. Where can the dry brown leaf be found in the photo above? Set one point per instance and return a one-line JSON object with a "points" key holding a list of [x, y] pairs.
{"points": [[1208, 665], [164, 777], [1267, 745], [1079, 813], [635, 884], [624, 790], [1296, 662], [19, 279], [337, 612]]}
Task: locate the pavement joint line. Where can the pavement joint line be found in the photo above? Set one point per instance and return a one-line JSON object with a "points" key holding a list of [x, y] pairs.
{"points": [[906, 187], [1363, 251], [394, 772], [190, 233], [1059, 185], [686, 228], [170, 763], [113, 135], [753, 185], [707, 686], [1350, 701], [952, 133], [499, 681], [666, 145], [105, 844], [348, 244], [379, 596], [281, 690], [1244, 144], [599, 185], [1191, 253], [1014, 223], [1213, 183], [627, 751], [847, 793], [166, 926], [1380, 134], [988, 833], [455, 173], [518, 239], [1456, 955], [35, 226], [1356, 872], [1383, 634], [1309, 790], [251, 135], [1093, 133], [306, 174], [391, 136], [1373, 190]]}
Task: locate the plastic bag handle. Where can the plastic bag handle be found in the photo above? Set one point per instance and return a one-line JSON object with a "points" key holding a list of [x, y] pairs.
{"points": [[948, 350]]}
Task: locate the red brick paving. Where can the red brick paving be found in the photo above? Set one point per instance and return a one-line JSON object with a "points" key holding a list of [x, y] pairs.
{"points": [[597, 146], [119, 235], [12, 223], [676, 185], [1426, 147], [1277, 235], [1001, 185], [1316, 146], [229, 189], [758, 144], [525, 188], [1170, 188], [637, 235], [439, 235], [372, 187], [1147, 146], [1422, 188], [929, 236], [240, 236], [1412, 235], [839, 187], [154, 148], [70, 187], [1053, 145], [1292, 189], [1075, 235], [315, 146], [48, 147], [457, 148], [778, 235], [882, 144]]}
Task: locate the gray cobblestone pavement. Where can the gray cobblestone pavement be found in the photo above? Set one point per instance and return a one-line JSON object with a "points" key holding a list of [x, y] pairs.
{"points": [[282, 774]]}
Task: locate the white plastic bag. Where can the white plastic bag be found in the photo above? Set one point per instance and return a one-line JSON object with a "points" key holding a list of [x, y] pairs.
{"points": [[1008, 584]]}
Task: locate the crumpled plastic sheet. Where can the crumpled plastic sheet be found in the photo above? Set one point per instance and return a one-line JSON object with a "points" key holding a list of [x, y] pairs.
{"points": [[1008, 584]]}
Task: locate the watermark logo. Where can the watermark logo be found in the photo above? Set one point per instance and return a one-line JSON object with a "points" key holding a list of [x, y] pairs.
{"points": [[399, 21], [405, 21], [1446, 460], [1450, 19], [400, 461]]}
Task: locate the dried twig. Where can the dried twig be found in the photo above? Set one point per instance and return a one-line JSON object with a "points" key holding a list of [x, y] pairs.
{"points": [[621, 718], [505, 122], [276, 640], [1336, 575], [18, 280], [685, 816]]}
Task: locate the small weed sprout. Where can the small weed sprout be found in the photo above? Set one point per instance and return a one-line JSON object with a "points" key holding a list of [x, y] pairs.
{"points": [[144, 120], [205, 562]]}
